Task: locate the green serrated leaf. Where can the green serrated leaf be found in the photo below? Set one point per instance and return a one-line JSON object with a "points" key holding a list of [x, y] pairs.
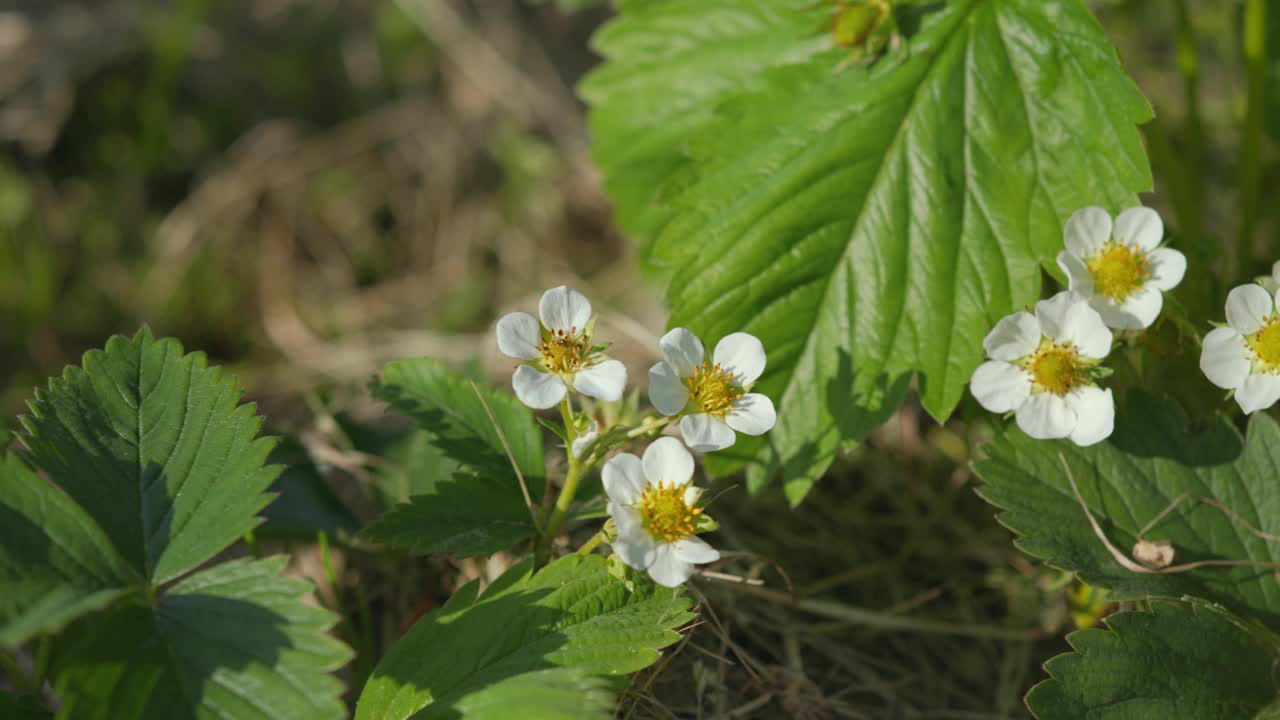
{"points": [[445, 404], [55, 562], [569, 614], [669, 64], [873, 223], [468, 515], [1179, 661], [1156, 455], [554, 694], [232, 642], [153, 445]]}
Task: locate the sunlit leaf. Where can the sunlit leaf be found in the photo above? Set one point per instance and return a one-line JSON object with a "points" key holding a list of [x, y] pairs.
{"points": [[570, 614], [156, 448], [871, 223]]}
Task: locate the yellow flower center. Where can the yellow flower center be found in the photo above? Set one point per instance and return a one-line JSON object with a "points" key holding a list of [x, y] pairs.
{"points": [[712, 390], [1265, 344], [1056, 368], [1119, 270], [664, 513], [564, 352]]}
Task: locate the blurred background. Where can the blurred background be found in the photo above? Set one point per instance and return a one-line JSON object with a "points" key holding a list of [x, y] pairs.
{"points": [[306, 189]]}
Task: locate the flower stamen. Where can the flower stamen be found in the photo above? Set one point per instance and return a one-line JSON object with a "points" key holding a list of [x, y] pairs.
{"points": [[664, 513], [1119, 270], [1265, 345], [564, 352], [712, 390], [1056, 368]]}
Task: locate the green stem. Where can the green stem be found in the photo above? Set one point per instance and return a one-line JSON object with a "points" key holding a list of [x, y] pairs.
{"points": [[570, 488], [591, 544], [1255, 53]]}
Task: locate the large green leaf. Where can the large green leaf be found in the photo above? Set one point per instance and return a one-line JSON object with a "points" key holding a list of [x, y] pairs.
{"points": [[55, 563], [555, 694], [670, 63], [1177, 662], [153, 445], [446, 405], [469, 515], [232, 642], [1155, 456], [871, 223], [569, 614]]}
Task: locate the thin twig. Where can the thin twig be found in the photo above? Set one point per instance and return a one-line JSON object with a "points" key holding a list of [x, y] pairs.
{"points": [[524, 487], [1235, 516], [1162, 514], [726, 577], [1124, 561]]}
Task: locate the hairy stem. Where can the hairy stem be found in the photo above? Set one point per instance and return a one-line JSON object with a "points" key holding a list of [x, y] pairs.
{"points": [[570, 488]]}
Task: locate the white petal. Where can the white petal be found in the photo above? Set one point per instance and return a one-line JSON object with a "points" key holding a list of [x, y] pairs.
{"points": [[695, 550], [1137, 311], [667, 392], [624, 480], [1079, 278], [1046, 416], [1225, 358], [999, 386], [602, 381], [1067, 317], [1275, 270], [1087, 230], [1095, 411], [1015, 336], [519, 335], [564, 308], [691, 494], [669, 570], [1139, 227], [637, 550], [627, 521], [1248, 307], [666, 460], [1168, 266], [537, 389], [682, 350], [583, 441], [742, 355], [1259, 391], [752, 414], [705, 433]]}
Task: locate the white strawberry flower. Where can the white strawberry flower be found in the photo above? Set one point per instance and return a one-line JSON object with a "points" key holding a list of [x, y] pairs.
{"points": [[1042, 368], [655, 509], [712, 396], [1120, 267], [1245, 356], [558, 352]]}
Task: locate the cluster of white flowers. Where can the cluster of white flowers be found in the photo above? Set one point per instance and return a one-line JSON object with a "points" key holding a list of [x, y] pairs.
{"points": [[1045, 365], [652, 501]]}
